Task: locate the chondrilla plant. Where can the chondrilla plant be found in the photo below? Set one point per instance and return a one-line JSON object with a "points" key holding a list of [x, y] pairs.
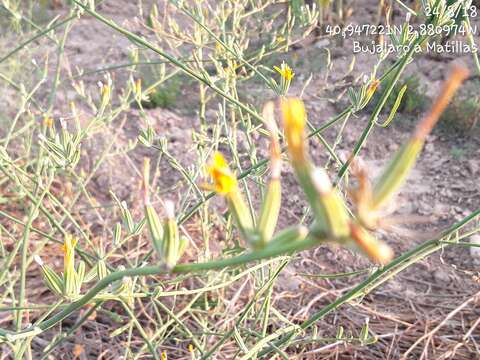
{"points": [[187, 276], [331, 222], [165, 237], [69, 283]]}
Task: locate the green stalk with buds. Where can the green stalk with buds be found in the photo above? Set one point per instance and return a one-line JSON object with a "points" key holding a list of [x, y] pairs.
{"points": [[69, 283], [165, 236], [371, 199]]}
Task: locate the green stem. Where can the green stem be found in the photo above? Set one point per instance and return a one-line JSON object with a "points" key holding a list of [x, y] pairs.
{"points": [[141, 41], [24, 257], [379, 277], [59, 340], [156, 270], [224, 45], [261, 163], [369, 284], [142, 332], [378, 108], [39, 35]]}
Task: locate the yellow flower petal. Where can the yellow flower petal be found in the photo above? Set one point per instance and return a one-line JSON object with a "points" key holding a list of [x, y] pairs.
{"points": [[289, 74], [224, 180], [285, 71], [47, 121], [68, 248], [293, 112]]}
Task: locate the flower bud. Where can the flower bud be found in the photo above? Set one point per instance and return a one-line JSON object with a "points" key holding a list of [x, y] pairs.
{"points": [[270, 210], [171, 241], [287, 75], [69, 264], [397, 171], [334, 209], [52, 279], [293, 112], [153, 221], [155, 228], [272, 202]]}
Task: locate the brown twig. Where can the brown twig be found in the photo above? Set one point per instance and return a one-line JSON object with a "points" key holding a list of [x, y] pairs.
{"points": [[427, 336]]}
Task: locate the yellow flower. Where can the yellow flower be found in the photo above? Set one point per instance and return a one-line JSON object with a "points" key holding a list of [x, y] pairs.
{"points": [[225, 183], [224, 180], [138, 87], [105, 92], [231, 68], [293, 112], [285, 70], [47, 121], [68, 248]]}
